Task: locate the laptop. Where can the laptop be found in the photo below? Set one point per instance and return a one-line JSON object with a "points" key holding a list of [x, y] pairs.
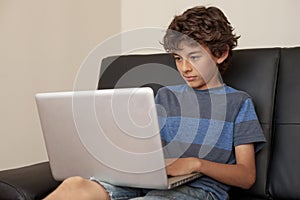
{"points": [[111, 135]]}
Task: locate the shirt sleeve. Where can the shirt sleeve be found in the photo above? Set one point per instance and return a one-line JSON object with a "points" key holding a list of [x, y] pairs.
{"points": [[247, 128]]}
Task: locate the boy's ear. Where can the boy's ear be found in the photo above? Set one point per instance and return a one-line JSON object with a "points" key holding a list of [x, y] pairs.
{"points": [[223, 56]]}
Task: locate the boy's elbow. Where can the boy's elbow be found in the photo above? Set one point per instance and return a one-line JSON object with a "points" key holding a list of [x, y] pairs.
{"points": [[249, 181]]}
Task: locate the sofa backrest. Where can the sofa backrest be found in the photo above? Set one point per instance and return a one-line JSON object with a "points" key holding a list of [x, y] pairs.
{"points": [[284, 181], [255, 71], [153, 70]]}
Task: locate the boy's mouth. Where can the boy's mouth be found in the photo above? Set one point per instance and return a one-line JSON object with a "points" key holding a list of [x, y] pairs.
{"points": [[189, 78]]}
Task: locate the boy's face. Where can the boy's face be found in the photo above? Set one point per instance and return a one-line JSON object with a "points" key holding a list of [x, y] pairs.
{"points": [[197, 66]]}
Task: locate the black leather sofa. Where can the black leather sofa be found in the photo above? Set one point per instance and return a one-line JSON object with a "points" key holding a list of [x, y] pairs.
{"points": [[270, 75]]}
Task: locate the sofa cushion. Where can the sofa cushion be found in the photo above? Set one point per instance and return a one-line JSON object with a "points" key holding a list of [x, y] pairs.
{"points": [[27, 183]]}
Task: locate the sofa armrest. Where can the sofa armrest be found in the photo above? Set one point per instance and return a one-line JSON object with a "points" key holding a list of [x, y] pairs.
{"points": [[27, 183]]}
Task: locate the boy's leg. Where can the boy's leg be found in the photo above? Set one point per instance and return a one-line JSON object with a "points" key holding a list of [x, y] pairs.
{"points": [[77, 188], [122, 193], [182, 192]]}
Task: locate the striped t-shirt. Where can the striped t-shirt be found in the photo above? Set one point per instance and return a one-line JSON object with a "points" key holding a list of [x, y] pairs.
{"points": [[207, 124]]}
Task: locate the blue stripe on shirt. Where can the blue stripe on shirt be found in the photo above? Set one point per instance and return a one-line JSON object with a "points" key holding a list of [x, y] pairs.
{"points": [[197, 131]]}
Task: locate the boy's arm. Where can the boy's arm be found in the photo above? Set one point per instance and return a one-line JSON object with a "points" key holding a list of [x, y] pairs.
{"points": [[242, 174]]}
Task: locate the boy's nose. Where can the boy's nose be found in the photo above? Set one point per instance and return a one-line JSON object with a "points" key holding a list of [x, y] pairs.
{"points": [[186, 66]]}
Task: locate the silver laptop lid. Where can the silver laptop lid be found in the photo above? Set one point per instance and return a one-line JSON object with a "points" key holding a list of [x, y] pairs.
{"points": [[112, 135]]}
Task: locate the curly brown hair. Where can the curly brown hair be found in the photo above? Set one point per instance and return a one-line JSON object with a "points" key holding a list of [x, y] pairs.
{"points": [[208, 27]]}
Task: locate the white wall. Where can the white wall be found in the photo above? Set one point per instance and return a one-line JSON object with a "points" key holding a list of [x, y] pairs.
{"points": [[42, 44], [261, 23]]}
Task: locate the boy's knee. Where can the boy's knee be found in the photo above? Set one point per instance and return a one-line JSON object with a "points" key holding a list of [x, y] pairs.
{"points": [[78, 184], [75, 181], [85, 188]]}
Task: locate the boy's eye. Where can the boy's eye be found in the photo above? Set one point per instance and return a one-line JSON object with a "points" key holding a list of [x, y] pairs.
{"points": [[177, 58], [194, 57]]}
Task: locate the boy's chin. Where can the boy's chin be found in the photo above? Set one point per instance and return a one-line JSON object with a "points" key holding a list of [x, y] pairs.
{"points": [[196, 87]]}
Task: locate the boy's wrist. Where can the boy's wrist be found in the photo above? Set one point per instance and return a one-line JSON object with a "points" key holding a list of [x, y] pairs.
{"points": [[197, 163]]}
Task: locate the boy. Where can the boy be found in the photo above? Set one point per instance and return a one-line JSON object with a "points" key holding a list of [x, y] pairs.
{"points": [[207, 126]]}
